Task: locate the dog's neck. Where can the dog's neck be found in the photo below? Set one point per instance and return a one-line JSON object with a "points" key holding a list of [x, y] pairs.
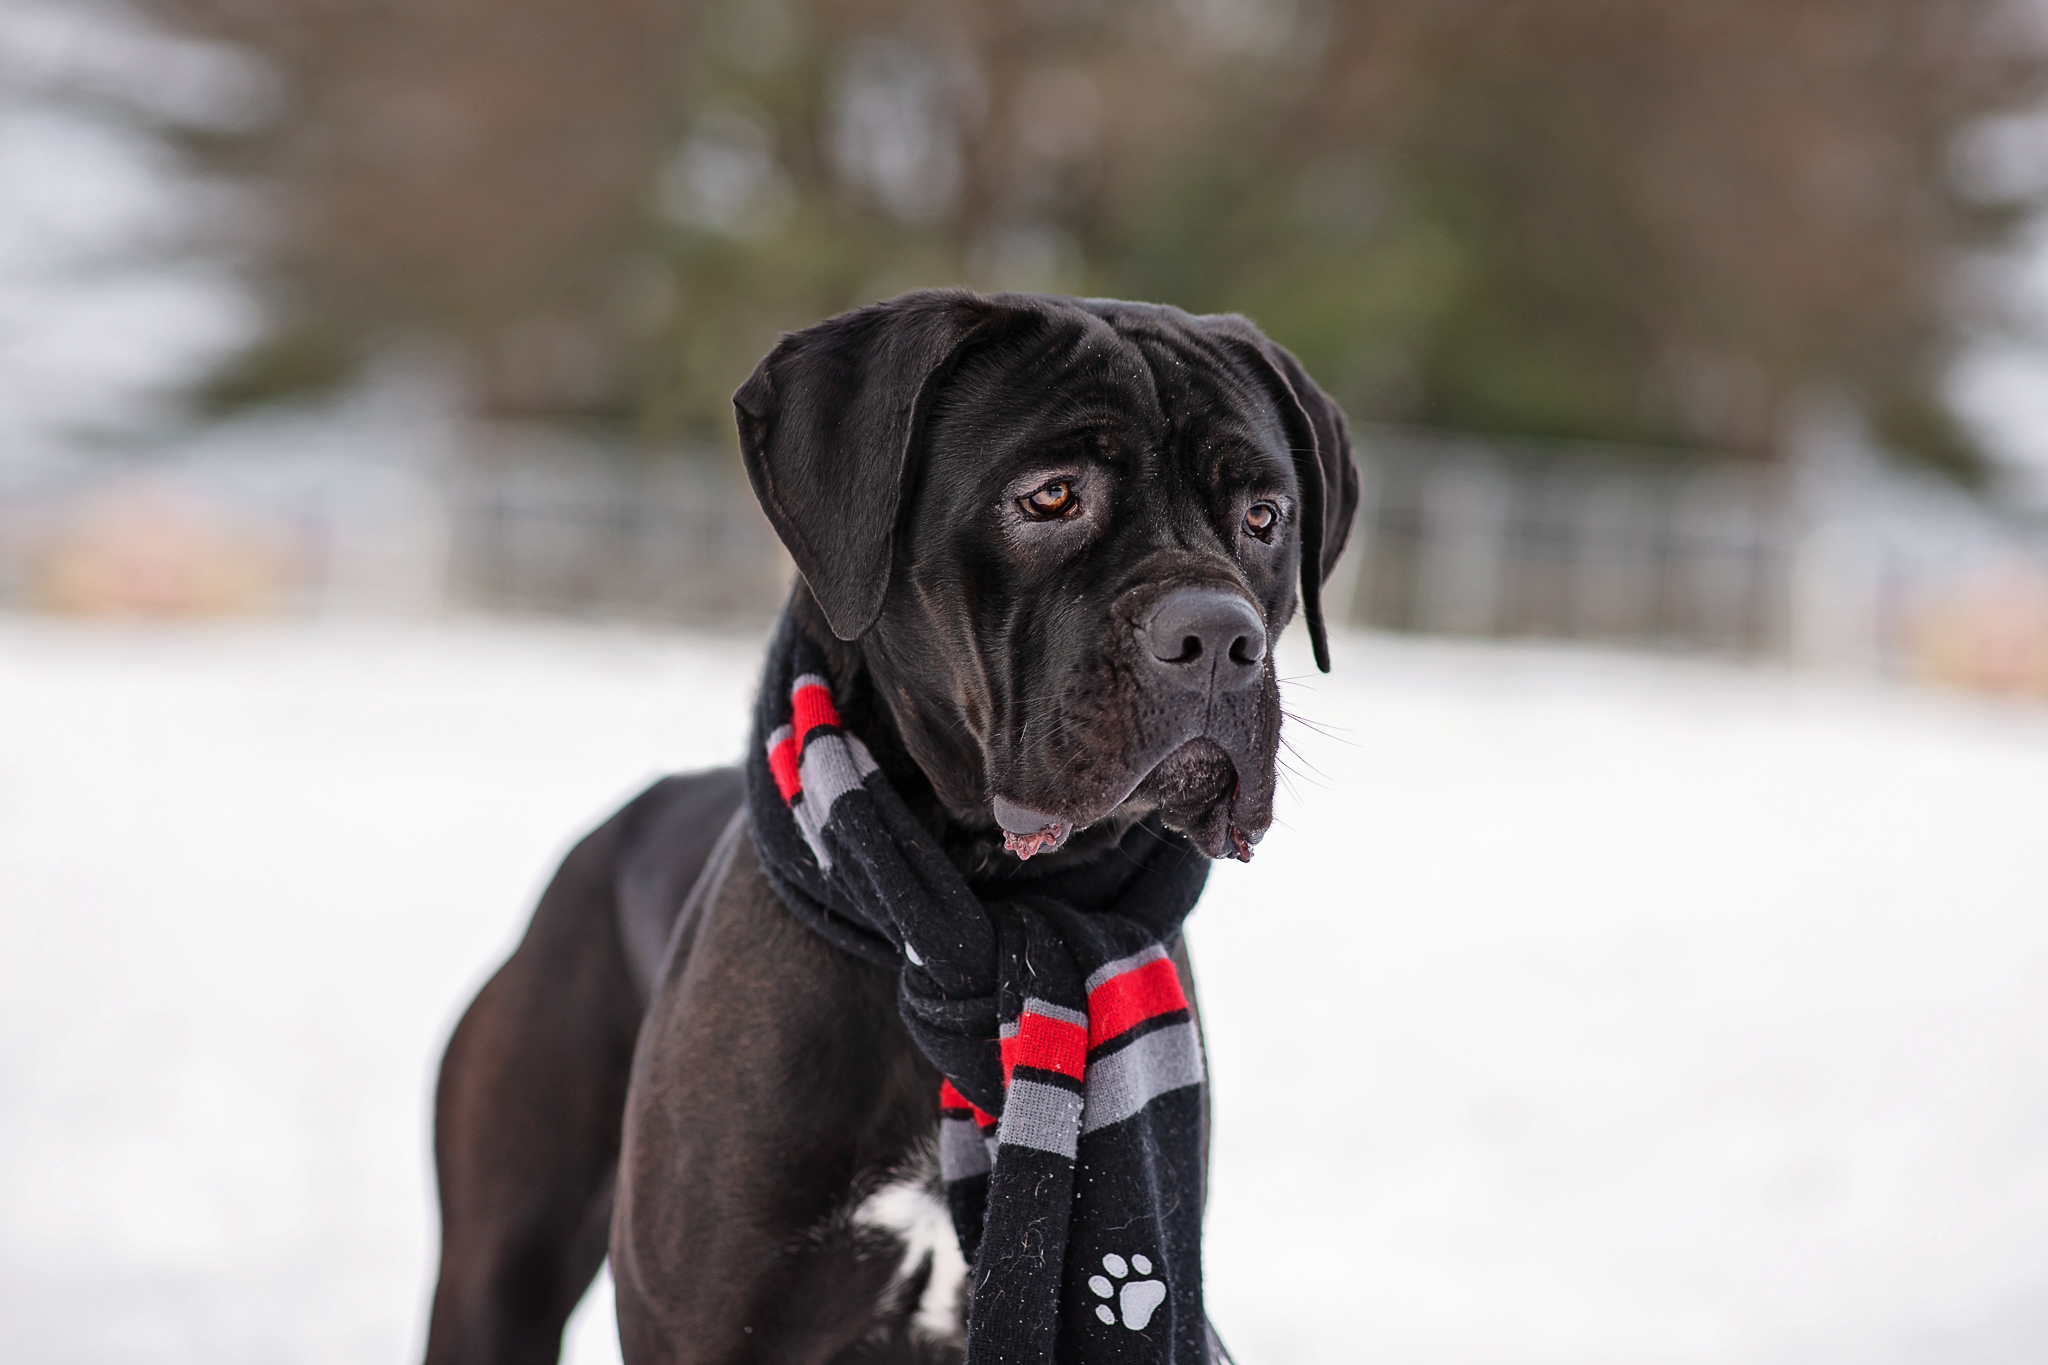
{"points": [[895, 735]]}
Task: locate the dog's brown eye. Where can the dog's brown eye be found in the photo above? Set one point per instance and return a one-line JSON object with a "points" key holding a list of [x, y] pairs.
{"points": [[1259, 518], [1055, 499]]}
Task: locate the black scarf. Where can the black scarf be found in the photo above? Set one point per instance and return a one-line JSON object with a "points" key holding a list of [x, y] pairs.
{"points": [[1071, 1109]]}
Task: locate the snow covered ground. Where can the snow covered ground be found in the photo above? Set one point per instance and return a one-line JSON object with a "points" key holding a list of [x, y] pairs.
{"points": [[1584, 1010]]}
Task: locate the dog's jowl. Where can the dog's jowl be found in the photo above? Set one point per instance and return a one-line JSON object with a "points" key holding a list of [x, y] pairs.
{"points": [[881, 1046]]}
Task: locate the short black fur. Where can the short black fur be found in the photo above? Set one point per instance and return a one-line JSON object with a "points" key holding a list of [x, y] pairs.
{"points": [[720, 1087]]}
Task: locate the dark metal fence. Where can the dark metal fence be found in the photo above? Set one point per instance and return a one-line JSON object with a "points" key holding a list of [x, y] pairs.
{"points": [[542, 523], [1834, 558], [1469, 537]]}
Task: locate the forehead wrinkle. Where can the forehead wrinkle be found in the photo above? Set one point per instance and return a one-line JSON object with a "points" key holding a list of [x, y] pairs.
{"points": [[1097, 374], [1190, 364], [1083, 375], [1042, 417]]}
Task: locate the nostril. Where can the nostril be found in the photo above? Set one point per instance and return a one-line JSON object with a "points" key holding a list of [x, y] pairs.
{"points": [[1193, 630]]}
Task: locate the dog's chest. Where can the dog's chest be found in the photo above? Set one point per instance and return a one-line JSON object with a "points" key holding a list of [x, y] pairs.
{"points": [[930, 1280]]}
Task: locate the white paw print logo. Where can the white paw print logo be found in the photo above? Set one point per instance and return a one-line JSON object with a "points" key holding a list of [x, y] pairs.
{"points": [[1138, 1299]]}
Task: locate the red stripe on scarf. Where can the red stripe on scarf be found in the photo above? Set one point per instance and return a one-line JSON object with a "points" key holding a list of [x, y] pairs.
{"points": [[782, 761], [1127, 1000], [1048, 1044], [811, 707], [951, 1098]]}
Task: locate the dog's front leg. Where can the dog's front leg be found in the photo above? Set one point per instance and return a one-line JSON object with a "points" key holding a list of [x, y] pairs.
{"points": [[773, 1087]]}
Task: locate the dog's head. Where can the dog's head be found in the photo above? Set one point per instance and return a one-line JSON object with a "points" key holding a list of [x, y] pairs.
{"points": [[1065, 533]]}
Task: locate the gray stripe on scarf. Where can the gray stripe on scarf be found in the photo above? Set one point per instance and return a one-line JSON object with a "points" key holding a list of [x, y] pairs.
{"points": [[962, 1150], [1042, 1116], [1127, 1080], [1122, 965], [1033, 1005], [831, 766]]}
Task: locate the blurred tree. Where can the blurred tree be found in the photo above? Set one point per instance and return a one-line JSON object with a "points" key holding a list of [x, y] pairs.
{"points": [[1643, 220], [1650, 221], [1636, 220], [472, 170], [841, 151]]}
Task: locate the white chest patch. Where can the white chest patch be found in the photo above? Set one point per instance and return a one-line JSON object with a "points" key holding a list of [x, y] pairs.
{"points": [[912, 1211]]}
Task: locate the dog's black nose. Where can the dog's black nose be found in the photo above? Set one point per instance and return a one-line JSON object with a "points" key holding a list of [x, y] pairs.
{"points": [[1199, 634]]}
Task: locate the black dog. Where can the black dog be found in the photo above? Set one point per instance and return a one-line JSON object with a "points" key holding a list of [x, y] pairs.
{"points": [[1044, 544]]}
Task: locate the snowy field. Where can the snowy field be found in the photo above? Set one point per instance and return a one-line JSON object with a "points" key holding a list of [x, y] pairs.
{"points": [[1584, 1010]]}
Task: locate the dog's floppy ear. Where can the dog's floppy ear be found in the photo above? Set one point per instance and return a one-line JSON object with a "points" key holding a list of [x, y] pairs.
{"points": [[827, 424], [1321, 442]]}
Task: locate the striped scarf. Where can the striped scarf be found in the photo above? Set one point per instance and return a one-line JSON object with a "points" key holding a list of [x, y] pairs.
{"points": [[1071, 1105]]}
